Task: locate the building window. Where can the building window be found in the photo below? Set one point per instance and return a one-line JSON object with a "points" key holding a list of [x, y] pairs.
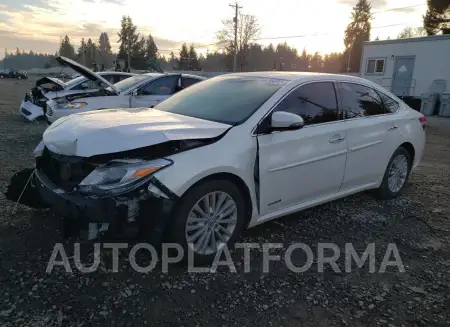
{"points": [[375, 66]]}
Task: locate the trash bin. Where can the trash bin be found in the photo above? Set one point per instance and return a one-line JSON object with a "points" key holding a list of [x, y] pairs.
{"points": [[444, 108], [428, 104]]}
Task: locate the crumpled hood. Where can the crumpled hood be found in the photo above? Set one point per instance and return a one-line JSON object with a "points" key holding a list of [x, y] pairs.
{"points": [[115, 130]]}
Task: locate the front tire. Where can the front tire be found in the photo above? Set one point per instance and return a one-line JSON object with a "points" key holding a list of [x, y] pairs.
{"points": [[211, 215], [396, 175]]}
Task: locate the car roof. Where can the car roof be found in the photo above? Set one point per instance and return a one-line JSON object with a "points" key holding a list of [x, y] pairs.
{"points": [[299, 76], [194, 76], [108, 72]]}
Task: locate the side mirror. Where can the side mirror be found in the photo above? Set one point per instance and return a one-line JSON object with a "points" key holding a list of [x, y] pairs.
{"points": [[285, 121], [84, 85], [135, 92]]}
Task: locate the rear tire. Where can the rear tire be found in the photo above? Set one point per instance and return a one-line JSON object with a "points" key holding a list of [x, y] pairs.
{"points": [[396, 175], [208, 231]]}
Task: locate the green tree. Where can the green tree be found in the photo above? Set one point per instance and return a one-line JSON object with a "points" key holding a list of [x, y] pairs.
{"points": [[193, 63], [151, 50], [356, 33], [184, 58], [412, 32], [129, 41], [66, 48], [173, 62], [437, 17], [82, 51], [91, 50], [316, 63], [104, 50]]}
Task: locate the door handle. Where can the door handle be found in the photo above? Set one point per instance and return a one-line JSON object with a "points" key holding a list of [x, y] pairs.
{"points": [[392, 128], [337, 139]]}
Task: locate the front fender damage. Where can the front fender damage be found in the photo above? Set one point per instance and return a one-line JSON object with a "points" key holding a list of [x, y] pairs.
{"points": [[141, 213]]}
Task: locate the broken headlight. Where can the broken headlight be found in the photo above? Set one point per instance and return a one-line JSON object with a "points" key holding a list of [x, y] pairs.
{"points": [[120, 175]]}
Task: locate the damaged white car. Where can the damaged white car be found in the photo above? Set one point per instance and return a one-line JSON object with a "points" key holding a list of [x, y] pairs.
{"points": [[33, 105], [226, 154], [143, 90]]}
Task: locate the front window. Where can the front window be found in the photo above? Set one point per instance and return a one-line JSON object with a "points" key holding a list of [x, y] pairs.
{"points": [[316, 103], [224, 99]]}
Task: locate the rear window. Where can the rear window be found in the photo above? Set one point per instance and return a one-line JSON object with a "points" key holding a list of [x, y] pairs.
{"points": [[225, 99]]}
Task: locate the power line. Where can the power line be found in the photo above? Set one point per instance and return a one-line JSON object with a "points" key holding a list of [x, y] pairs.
{"points": [[399, 8], [315, 34]]}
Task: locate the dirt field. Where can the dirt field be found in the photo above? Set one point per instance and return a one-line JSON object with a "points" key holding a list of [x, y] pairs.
{"points": [[417, 222]]}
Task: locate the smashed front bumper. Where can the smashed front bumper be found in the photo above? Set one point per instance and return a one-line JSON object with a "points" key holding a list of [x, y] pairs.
{"points": [[141, 213], [30, 111]]}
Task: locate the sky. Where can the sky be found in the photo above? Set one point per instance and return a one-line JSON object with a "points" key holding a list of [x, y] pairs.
{"points": [[39, 25]]}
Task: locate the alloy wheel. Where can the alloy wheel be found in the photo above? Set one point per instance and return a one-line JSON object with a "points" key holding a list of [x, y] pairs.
{"points": [[398, 171], [211, 222]]}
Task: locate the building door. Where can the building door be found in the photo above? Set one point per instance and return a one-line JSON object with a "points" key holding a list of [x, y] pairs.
{"points": [[402, 77]]}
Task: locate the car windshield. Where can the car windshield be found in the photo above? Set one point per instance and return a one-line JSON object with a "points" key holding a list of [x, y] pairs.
{"points": [[75, 81], [129, 82], [225, 99]]}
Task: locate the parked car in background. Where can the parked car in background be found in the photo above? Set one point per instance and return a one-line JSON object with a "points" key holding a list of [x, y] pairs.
{"points": [[143, 90], [34, 104], [226, 154], [14, 73]]}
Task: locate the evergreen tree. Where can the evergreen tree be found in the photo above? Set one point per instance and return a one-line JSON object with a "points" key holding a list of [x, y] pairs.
{"points": [[66, 48], [82, 52], [151, 50], [193, 59], [437, 17], [129, 40], [184, 57], [104, 50], [356, 33], [173, 62]]}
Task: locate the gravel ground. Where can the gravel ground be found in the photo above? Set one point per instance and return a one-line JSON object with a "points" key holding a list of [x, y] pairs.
{"points": [[417, 223]]}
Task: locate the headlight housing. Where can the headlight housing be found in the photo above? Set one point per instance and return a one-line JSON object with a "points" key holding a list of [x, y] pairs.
{"points": [[119, 176]]}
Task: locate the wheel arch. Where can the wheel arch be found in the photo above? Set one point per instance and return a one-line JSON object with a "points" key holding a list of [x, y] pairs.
{"points": [[236, 180], [410, 148]]}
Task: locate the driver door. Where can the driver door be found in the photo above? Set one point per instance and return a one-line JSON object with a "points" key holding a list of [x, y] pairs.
{"points": [[297, 166], [155, 91]]}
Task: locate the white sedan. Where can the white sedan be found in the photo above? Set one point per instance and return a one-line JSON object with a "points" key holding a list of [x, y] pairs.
{"points": [[143, 90], [33, 105], [227, 154]]}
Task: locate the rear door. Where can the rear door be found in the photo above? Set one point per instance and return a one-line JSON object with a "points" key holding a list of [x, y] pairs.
{"points": [[155, 91], [370, 127], [302, 165]]}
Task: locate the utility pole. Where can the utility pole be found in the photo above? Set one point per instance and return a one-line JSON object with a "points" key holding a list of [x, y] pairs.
{"points": [[236, 7]]}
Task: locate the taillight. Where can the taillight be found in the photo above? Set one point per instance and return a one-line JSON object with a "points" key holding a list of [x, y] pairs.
{"points": [[423, 121]]}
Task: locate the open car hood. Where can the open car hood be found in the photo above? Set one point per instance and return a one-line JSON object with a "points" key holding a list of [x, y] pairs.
{"points": [[115, 130], [51, 80], [86, 72]]}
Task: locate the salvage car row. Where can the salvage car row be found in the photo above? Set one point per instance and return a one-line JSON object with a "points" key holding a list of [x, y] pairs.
{"points": [[104, 90], [225, 154]]}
